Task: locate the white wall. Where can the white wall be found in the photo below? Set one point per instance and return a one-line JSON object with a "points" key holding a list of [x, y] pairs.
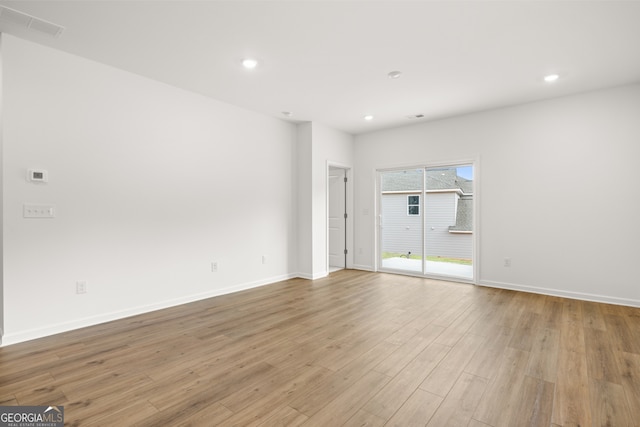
{"points": [[330, 147], [305, 200], [557, 190], [150, 183], [1, 207], [318, 147]]}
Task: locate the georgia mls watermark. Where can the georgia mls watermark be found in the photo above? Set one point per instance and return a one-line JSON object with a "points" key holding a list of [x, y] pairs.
{"points": [[31, 416]]}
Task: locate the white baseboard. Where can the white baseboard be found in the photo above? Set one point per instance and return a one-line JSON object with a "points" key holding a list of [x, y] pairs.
{"points": [[312, 276], [107, 317], [362, 267], [560, 293], [31, 334]]}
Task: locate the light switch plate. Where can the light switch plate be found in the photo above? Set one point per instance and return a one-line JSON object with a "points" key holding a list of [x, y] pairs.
{"points": [[38, 211]]}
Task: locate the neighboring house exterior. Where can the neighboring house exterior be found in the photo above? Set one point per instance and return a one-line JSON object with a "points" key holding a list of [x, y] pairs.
{"points": [[448, 207]]}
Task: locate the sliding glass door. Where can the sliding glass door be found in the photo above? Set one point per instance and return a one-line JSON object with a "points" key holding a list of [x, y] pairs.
{"points": [[426, 221]]}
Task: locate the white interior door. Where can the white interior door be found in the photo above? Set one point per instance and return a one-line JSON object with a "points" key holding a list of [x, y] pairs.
{"points": [[336, 220]]}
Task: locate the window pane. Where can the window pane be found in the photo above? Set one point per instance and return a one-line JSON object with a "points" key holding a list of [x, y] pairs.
{"points": [[448, 215], [401, 237]]}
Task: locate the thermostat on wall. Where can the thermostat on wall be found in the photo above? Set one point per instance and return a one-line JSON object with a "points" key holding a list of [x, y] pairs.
{"points": [[37, 175]]}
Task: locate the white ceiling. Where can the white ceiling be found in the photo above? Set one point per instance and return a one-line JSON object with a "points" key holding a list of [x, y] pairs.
{"points": [[327, 61]]}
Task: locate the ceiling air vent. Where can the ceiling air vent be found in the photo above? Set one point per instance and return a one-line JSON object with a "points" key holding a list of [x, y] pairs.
{"points": [[31, 22], [415, 116]]}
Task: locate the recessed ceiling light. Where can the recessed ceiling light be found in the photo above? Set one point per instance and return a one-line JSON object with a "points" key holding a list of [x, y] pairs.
{"points": [[249, 63], [394, 74], [551, 78], [368, 117]]}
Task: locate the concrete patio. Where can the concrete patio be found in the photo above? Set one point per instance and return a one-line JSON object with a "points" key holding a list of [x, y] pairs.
{"points": [[433, 267]]}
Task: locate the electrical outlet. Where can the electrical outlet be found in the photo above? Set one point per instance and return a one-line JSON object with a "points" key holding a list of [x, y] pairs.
{"points": [[214, 266], [81, 287], [38, 211], [507, 262]]}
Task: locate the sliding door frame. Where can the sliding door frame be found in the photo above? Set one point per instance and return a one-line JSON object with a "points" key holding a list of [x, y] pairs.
{"points": [[475, 240]]}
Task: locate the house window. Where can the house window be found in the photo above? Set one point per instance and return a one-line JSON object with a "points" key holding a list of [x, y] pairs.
{"points": [[413, 205]]}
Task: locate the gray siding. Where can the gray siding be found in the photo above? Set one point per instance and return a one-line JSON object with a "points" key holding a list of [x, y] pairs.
{"points": [[402, 233], [441, 214]]}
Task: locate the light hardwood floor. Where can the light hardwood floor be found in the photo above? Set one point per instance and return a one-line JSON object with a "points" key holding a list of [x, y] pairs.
{"points": [[353, 349]]}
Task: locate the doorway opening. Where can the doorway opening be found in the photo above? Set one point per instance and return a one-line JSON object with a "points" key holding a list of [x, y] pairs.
{"points": [[337, 218], [426, 221]]}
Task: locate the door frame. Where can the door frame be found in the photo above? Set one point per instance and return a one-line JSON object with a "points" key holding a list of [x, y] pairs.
{"points": [[349, 210], [475, 244]]}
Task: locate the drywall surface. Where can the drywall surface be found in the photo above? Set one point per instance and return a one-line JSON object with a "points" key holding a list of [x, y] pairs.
{"points": [[1, 209], [318, 147], [151, 185], [330, 146], [556, 185], [305, 200]]}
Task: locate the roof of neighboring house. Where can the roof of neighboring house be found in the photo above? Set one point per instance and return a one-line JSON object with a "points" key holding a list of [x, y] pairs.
{"points": [[464, 216], [437, 179]]}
